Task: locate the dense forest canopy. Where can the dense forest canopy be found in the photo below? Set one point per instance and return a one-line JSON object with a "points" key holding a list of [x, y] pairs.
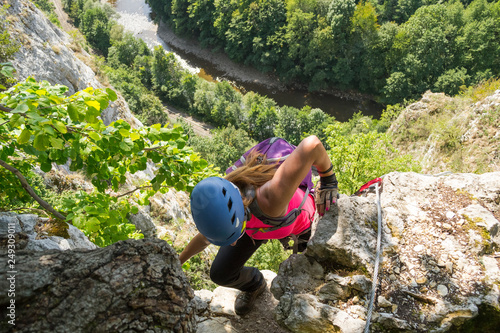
{"points": [[394, 49]]}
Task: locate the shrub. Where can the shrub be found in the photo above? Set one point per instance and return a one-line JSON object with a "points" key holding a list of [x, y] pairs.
{"points": [[360, 154]]}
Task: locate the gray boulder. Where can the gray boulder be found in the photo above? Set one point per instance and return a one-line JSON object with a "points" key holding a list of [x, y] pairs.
{"points": [[32, 232], [439, 269], [133, 285]]}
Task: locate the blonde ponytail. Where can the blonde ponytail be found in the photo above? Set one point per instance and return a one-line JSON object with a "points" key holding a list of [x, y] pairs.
{"points": [[254, 173]]}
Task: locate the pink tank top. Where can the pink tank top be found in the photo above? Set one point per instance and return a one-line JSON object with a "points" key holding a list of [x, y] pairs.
{"points": [[302, 222]]}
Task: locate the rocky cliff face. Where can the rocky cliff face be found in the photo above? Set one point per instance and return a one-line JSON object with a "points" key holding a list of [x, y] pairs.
{"points": [[439, 270], [459, 133], [46, 54]]}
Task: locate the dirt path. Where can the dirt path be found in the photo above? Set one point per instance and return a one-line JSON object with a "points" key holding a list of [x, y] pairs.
{"points": [[62, 16], [261, 318], [199, 128]]}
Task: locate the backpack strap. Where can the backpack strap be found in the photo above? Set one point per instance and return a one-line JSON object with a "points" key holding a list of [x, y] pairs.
{"points": [[276, 222]]}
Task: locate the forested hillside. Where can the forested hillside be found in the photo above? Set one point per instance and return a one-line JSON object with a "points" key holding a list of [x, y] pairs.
{"points": [[43, 125], [394, 49], [361, 148]]}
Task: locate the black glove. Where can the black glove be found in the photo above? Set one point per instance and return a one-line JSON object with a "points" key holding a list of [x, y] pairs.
{"points": [[325, 193]]}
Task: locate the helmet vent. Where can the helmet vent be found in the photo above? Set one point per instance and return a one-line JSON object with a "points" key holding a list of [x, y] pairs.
{"points": [[224, 191], [230, 204], [233, 218]]}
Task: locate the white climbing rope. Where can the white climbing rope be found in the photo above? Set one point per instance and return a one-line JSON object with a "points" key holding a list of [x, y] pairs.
{"points": [[377, 260]]}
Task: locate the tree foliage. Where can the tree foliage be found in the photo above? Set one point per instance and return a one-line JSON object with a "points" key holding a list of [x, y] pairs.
{"points": [[224, 147], [360, 153], [40, 125], [395, 49]]}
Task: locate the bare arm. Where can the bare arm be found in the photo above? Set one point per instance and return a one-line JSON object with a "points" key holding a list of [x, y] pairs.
{"points": [[195, 246], [274, 196]]}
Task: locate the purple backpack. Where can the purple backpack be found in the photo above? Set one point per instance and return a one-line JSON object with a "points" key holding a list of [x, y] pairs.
{"points": [[276, 150]]}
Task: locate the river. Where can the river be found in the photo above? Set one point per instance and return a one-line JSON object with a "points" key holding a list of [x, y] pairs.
{"points": [[135, 16]]}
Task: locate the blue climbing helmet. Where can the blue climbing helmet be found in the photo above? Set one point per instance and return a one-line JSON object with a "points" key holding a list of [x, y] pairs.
{"points": [[218, 210]]}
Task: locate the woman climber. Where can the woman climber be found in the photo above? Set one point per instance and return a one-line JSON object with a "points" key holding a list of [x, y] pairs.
{"points": [[223, 210]]}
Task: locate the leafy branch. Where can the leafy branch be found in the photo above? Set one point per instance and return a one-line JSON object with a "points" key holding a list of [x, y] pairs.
{"points": [[27, 187], [43, 127]]}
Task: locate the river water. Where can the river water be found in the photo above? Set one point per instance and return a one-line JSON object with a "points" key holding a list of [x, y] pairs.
{"points": [[135, 16]]}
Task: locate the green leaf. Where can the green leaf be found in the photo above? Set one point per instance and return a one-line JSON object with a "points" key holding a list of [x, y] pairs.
{"points": [[96, 105], [36, 117], [202, 164], [91, 209], [95, 136], [112, 94], [125, 146], [77, 222], [59, 126], [134, 136], [46, 166], [134, 210], [41, 142], [57, 143], [125, 133], [21, 108], [16, 120], [48, 129], [91, 115], [93, 224], [180, 143], [73, 113], [56, 99], [24, 137], [7, 70]]}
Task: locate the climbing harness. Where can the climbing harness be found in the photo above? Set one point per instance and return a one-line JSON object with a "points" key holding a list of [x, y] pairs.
{"points": [[275, 150], [377, 259]]}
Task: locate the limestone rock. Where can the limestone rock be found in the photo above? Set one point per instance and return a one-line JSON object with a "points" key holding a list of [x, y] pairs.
{"points": [[223, 301], [216, 325], [143, 223], [46, 54], [346, 235], [35, 233], [298, 272], [133, 285], [438, 269], [304, 313]]}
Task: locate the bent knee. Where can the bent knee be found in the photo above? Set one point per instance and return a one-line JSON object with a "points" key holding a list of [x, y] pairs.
{"points": [[220, 276]]}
